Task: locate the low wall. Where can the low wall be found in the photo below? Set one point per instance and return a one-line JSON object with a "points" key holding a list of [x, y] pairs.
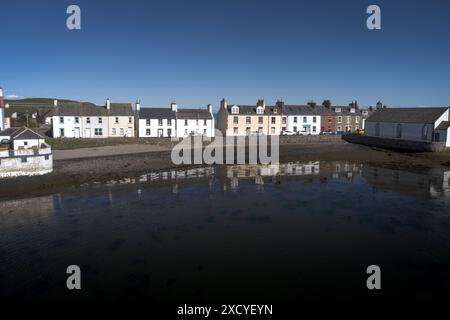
{"points": [[15, 166], [395, 144], [298, 139]]}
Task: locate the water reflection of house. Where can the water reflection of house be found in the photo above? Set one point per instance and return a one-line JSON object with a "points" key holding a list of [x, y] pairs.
{"points": [[405, 182], [438, 189], [26, 212], [346, 170], [289, 169], [258, 172]]}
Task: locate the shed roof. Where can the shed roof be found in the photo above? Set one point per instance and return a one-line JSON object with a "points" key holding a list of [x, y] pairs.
{"points": [[407, 115]]}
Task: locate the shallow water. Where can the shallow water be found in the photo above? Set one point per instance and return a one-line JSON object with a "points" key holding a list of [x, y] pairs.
{"points": [[299, 230]]}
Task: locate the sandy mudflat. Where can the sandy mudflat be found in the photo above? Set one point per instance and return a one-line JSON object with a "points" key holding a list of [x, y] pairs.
{"points": [[73, 168], [107, 151]]}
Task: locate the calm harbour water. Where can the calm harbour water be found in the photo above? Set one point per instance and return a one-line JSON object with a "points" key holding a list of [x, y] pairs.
{"points": [[299, 230]]}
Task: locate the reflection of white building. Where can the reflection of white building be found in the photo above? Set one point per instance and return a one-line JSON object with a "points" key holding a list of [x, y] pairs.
{"points": [[288, 169], [438, 190]]}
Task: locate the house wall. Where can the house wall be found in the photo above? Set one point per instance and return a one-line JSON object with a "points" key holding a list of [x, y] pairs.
{"points": [[242, 124], [328, 123], [184, 130], [154, 127], [85, 129], [123, 128], [447, 143], [68, 126], [2, 119], [88, 129], [443, 117], [35, 164], [275, 128], [27, 144], [296, 123], [410, 131], [348, 122], [222, 120]]}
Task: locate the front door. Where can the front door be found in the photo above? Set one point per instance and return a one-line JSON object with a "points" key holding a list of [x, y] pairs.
{"points": [[87, 133], [77, 132], [160, 133]]}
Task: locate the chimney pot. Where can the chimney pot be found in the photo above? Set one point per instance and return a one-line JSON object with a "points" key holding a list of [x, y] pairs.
{"points": [[174, 106]]}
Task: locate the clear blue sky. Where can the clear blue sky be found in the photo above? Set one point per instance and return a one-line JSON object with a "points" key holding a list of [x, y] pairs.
{"points": [[200, 51]]}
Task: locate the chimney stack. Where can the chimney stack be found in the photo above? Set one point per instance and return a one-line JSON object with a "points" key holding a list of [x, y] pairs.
{"points": [[327, 104], [224, 103], [108, 104], [280, 104], [312, 104], [261, 103], [55, 102], [138, 105], [210, 108], [174, 106]]}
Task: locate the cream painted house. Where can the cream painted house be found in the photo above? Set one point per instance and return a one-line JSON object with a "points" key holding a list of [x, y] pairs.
{"points": [[120, 119], [240, 120]]}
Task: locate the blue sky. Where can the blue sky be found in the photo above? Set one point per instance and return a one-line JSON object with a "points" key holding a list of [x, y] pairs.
{"points": [[199, 51]]}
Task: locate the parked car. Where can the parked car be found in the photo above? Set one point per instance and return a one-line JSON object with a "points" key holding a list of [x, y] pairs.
{"points": [[287, 133], [361, 131]]}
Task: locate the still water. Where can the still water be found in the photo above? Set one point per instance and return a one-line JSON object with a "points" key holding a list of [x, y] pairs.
{"points": [[293, 231]]}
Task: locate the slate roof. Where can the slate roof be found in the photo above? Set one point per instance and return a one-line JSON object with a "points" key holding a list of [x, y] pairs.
{"points": [[407, 115], [251, 109], [156, 113], [21, 134], [346, 111], [120, 109], [293, 110], [444, 125], [73, 109], [194, 114]]}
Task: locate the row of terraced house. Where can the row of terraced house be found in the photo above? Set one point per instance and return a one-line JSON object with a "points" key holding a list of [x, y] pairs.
{"points": [[86, 120], [309, 119]]}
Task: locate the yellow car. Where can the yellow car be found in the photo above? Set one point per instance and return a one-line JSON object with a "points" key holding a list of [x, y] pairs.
{"points": [[360, 131]]}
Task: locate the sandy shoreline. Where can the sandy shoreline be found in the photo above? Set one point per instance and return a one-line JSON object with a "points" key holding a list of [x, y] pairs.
{"points": [[107, 165]]}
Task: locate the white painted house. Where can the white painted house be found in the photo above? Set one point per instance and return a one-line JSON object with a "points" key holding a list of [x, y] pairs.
{"points": [[195, 121], [410, 124], [23, 152], [86, 120], [302, 119], [156, 122], [174, 122]]}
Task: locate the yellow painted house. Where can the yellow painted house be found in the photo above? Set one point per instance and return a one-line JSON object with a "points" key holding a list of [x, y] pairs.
{"points": [[241, 120]]}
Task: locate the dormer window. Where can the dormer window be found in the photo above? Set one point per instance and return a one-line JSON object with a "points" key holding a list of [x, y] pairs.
{"points": [[235, 110], [275, 110], [338, 109], [260, 110]]}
